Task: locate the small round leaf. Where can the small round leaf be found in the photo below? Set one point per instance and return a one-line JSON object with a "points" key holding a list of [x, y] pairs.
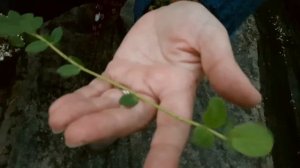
{"points": [[36, 47], [251, 139], [9, 28], [56, 34], [216, 113], [202, 137], [37, 22], [68, 70], [27, 16], [128, 100], [13, 15], [77, 60], [30, 24]]}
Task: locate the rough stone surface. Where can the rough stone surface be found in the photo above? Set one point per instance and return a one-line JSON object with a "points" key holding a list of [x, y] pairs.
{"points": [[27, 142]]}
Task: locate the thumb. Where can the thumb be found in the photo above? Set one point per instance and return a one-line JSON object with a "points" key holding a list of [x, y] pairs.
{"points": [[223, 73]]}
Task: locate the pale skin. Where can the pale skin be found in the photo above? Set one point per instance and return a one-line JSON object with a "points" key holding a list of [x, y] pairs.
{"points": [[163, 57]]}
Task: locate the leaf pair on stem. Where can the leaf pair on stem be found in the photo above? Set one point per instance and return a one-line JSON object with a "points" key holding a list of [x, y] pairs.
{"points": [[251, 139]]}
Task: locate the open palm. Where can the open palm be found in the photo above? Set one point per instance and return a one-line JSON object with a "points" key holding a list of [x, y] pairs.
{"points": [[163, 57]]}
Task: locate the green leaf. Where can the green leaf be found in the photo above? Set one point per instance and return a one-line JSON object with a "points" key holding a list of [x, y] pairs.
{"points": [[216, 113], [27, 26], [26, 23], [36, 47], [37, 22], [77, 60], [13, 15], [27, 16], [16, 41], [15, 24], [202, 137], [128, 100], [9, 28], [251, 139], [56, 34], [9, 25], [30, 24], [68, 70], [46, 36]]}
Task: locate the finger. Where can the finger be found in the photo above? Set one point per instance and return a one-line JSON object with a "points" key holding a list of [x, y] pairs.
{"points": [[224, 74], [109, 124], [74, 106], [171, 135], [95, 88]]}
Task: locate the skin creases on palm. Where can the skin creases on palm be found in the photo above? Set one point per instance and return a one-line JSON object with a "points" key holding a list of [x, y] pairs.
{"points": [[153, 58]]}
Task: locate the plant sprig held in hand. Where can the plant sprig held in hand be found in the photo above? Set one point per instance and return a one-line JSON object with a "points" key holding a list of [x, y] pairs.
{"points": [[251, 139]]}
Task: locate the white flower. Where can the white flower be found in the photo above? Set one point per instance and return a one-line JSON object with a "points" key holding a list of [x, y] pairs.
{"points": [[5, 51]]}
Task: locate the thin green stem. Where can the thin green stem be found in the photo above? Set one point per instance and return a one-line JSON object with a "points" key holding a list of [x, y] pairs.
{"points": [[120, 86]]}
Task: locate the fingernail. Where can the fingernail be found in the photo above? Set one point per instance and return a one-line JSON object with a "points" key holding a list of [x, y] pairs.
{"points": [[56, 131], [73, 145]]}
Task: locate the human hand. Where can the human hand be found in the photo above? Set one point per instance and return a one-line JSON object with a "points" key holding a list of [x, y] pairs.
{"points": [[163, 57]]}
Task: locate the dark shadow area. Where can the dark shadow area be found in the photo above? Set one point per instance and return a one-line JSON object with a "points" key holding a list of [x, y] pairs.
{"points": [[47, 9], [279, 48], [292, 11]]}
